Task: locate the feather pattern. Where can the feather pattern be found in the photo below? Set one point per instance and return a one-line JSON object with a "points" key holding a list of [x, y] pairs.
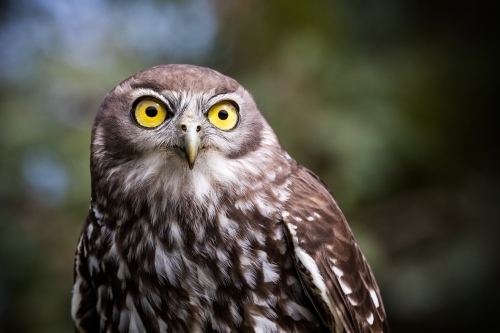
{"points": [[317, 228]]}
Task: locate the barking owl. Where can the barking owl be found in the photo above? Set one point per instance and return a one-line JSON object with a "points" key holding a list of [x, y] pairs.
{"points": [[200, 221]]}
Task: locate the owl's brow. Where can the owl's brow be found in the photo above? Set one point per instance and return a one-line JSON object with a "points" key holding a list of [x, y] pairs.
{"points": [[141, 92], [171, 98], [224, 96]]}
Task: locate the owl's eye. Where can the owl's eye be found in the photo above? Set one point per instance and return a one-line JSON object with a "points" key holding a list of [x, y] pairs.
{"points": [[150, 112], [223, 115]]}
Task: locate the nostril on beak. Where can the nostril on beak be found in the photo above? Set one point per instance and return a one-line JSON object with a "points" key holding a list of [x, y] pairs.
{"points": [[184, 128]]}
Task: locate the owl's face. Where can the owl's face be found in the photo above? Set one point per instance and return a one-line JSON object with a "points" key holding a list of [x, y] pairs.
{"points": [[178, 128]]}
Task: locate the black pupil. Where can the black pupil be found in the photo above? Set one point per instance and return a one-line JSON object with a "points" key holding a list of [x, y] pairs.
{"points": [[223, 114], [151, 111]]}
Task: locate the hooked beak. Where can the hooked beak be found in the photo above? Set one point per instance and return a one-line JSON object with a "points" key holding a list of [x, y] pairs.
{"points": [[191, 142]]}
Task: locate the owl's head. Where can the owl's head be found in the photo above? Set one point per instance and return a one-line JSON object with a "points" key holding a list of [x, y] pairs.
{"points": [[178, 127]]}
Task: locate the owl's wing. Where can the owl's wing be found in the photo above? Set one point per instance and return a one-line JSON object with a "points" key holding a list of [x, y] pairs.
{"points": [[83, 303], [332, 269]]}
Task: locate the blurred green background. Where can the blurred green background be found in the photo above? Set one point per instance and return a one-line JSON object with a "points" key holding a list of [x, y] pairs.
{"points": [[390, 102]]}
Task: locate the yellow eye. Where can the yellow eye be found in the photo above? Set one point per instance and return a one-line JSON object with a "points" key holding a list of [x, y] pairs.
{"points": [[223, 115], [150, 112]]}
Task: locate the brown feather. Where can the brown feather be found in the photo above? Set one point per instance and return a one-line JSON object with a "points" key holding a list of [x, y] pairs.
{"points": [[324, 234]]}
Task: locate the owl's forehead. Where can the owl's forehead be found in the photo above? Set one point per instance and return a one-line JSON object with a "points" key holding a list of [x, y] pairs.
{"points": [[181, 79]]}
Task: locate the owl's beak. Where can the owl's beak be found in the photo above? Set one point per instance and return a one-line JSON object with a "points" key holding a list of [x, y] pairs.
{"points": [[191, 144]]}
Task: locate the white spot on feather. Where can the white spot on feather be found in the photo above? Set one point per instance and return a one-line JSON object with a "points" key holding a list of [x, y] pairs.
{"points": [[297, 312], [310, 218], [234, 312], [168, 265], [204, 278], [146, 306], [162, 326], [270, 272], [263, 206], [250, 276], [93, 264], [345, 288], [90, 228], [244, 244], [281, 193], [97, 214], [337, 271], [370, 318], [77, 296], [227, 226], [278, 233], [260, 237], [352, 301], [175, 233], [245, 261], [262, 255], [223, 257], [264, 325], [124, 320], [271, 176], [313, 269], [243, 205], [258, 300], [123, 271], [135, 323], [373, 294]]}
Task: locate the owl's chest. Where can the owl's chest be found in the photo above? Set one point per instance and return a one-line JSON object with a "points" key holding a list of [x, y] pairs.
{"points": [[208, 273]]}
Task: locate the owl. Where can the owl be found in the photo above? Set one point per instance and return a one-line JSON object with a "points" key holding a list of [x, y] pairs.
{"points": [[200, 221]]}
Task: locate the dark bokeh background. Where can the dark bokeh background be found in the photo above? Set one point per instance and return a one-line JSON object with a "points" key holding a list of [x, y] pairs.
{"points": [[391, 102]]}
